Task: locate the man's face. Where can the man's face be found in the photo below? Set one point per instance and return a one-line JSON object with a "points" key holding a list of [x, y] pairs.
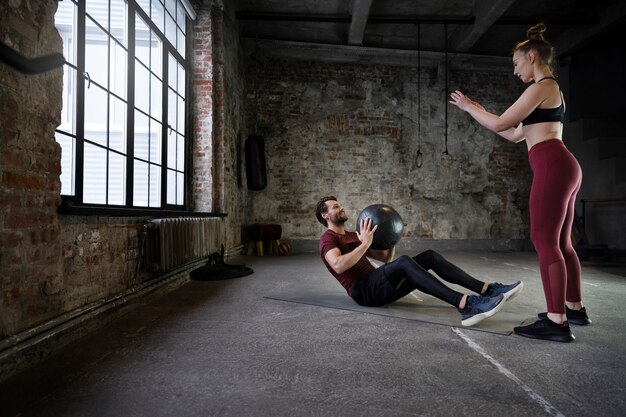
{"points": [[335, 214]]}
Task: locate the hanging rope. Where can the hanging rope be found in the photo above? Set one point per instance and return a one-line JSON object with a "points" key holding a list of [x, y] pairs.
{"points": [[419, 159], [445, 95]]}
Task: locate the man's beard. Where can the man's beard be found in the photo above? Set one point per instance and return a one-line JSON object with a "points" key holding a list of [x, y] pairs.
{"points": [[340, 219]]}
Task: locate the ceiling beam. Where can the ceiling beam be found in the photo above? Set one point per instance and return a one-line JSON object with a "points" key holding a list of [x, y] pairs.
{"points": [[307, 51], [575, 38], [388, 19], [360, 13], [487, 12]]}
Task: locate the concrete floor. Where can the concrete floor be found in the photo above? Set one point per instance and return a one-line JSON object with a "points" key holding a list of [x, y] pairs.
{"points": [[222, 348]]}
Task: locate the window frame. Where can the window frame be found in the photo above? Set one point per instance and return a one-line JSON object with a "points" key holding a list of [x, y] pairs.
{"points": [[74, 204]]}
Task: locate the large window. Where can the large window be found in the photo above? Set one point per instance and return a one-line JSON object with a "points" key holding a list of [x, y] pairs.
{"points": [[123, 132]]}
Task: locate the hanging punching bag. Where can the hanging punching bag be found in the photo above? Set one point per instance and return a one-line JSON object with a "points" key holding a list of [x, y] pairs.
{"points": [[255, 163]]}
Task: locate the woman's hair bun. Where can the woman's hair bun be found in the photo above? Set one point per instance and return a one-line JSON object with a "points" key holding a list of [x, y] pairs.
{"points": [[536, 32]]}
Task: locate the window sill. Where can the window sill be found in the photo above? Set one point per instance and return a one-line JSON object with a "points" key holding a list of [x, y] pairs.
{"points": [[130, 212]]}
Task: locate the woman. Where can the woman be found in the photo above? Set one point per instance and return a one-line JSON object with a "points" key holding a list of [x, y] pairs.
{"points": [[537, 117]]}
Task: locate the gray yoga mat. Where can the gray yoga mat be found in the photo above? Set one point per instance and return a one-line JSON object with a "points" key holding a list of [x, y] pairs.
{"points": [[416, 306]]}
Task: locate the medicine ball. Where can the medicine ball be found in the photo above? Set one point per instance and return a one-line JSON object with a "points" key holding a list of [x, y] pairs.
{"points": [[284, 249], [390, 225]]}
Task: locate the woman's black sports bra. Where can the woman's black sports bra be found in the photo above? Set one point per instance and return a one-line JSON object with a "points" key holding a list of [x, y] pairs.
{"points": [[555, 114]]}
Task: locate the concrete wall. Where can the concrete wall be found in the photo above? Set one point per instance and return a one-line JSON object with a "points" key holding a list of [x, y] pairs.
{"points": [[351, 130]]}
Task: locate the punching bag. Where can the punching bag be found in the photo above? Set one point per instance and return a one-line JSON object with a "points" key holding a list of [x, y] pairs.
{"points": [[255, 163]]}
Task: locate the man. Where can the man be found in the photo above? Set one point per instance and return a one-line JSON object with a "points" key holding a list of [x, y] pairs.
{"points": [[345, 254]]}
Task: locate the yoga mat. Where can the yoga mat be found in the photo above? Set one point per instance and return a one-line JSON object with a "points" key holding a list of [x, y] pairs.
{"points": [[416, 306]]}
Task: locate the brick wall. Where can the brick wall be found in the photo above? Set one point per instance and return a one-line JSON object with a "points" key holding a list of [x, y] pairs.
{"points": [[217, 120], [202, 115], [30, 108], [352, 131], [50, 264], [234, 194], [329, 128], [100, 258]]}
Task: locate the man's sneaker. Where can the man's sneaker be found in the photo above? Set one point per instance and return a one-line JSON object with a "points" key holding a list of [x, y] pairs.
{"points": [[478, 308], [509, 291], [578, 317], [546, 329]]}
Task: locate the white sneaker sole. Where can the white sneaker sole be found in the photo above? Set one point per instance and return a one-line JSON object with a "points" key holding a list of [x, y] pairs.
{"points": [[481, 316], [512, 293]]}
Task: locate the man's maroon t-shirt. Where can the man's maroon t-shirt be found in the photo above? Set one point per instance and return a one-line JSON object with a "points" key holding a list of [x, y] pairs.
{"points": [[345, 243]]}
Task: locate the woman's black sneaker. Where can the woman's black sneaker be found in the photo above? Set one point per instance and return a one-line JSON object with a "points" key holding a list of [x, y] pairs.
{"points": [[546, 329], [578, 317]]}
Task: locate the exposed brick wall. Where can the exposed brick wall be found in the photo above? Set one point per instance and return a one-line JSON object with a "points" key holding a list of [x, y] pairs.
{"points": [[51, 264], [202, 117], [100, 258], [346, 129], [30, 108], [234, 196], [217, 120], [351, 130]]}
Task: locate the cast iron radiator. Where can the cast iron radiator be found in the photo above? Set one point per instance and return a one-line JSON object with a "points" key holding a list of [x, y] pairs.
{"points": [[172, 242]]}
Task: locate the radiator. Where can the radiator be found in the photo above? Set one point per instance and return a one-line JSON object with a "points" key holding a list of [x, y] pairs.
{"points": [[173, 242]]}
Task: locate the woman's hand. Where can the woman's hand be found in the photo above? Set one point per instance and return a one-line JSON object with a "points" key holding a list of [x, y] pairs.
{"points": [[462, 101]]}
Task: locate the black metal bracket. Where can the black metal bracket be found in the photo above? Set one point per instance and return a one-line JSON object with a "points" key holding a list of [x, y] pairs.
{"points": [[30, 65]]}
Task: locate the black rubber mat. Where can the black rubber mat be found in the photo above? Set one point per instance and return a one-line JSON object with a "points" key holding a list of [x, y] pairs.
{"points": [[416, 306]]}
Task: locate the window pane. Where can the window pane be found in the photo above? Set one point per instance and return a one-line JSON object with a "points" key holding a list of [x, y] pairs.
{"points": [[99, 11], [171, 151], [157, 14], [96, 55], [180, 127], [170, 6], [171, 109], [142, 134], [142, 88], [155, 141], [140, 184], [170, 29], [118, 67], [155, 186], [182, 17], [180, 153], [68, 113], [180, 46], [94, 179], [118, 20], [95, 114], [65, 21], [180, 188], [117, 124], [145, 5], [171, 187], [68, 155], [117, 178], [172, 67], [181, 80], [156, 57], [156, 101], [142, 41]]}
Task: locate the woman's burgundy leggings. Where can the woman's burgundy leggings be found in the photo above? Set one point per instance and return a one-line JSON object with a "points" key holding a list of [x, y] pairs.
{"points": [[556, 180]]}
